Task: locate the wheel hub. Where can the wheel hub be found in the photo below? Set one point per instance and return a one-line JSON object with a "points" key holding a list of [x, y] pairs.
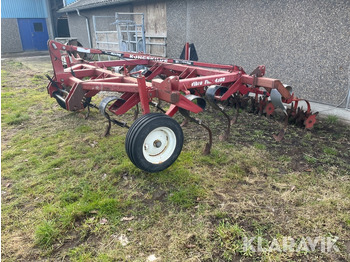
{"points": [[159, 145]]}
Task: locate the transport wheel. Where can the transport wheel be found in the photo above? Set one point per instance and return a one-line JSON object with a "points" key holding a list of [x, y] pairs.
{"points": [[86, 100], [153, 142]]}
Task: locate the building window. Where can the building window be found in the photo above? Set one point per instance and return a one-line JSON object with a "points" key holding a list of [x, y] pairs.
{"points": [[38, 27]]}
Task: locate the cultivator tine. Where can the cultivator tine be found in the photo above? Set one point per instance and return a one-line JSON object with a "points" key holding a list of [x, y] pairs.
{"points": [[299, 117], [88, 108], [188, 118], [226, 134], [199, 122], [282, 132], [157, 106], [136, 112], [184, 122], [261, 106], [210, 94], [208, 145], [236, 102], [254, 105], [87, 113], [104, 103], [235, 117], [102, 108], [109, 126]]}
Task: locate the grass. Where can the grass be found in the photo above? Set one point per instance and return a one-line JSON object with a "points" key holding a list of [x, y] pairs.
{"points": [[332, 119], [68, 193], [45, 234], [231, 238]]}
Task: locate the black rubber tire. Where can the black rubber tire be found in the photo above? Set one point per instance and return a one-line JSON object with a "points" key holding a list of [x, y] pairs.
{"points": [[139, 131], [63, 104]]}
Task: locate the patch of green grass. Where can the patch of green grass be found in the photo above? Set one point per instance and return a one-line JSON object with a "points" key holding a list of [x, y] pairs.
{"points": [[83, 129], [332, 119], [14, 65], [347, 221], [259, 146], [310, 159], [258, 134], [81, 254], [46, 234], [104, 258], [187, 197], [176, 176], [235, 171], [4, 73], [75, 208], [49, 151], [15, 119], [308, 136], [15, 106], [216, 158], [37, 79], [220, 215], [330, 151], [231, 238], [284, 158]]}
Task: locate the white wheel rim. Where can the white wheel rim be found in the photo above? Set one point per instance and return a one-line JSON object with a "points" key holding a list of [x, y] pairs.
{"points": [[159, 145]]}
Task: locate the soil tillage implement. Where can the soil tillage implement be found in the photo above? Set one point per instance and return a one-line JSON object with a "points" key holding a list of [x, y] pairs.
{"points": [[154, 140]]}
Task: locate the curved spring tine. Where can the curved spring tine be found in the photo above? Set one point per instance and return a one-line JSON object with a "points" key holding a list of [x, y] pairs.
{"points": [[208, 145], [136, 112], [157, 106], [199, 122], [110, 121], [226, 134], [108, 127], [102, 108], [236, 103], [88, 112], [282, 132], [210, 95], [185, 122]]}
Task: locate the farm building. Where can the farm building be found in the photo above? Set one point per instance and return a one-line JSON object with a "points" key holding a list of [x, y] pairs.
{"points": [[304, 43], [26, 25]]}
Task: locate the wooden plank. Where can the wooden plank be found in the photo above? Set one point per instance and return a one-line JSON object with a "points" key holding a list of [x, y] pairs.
{"points": [[155, 17]]}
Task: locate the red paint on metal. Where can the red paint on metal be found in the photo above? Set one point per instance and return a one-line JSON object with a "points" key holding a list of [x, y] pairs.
{"points": [[143, 95], [164, 78]]}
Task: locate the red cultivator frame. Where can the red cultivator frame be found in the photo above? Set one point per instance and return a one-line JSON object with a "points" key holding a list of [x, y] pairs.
{"points": [[154, 141]]}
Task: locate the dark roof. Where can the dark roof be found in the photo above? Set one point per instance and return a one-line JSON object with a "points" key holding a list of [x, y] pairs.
{"points": [[88, 4]]}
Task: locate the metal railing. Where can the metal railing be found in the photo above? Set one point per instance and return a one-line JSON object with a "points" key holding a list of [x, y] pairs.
{"points": [[126, 36]]}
